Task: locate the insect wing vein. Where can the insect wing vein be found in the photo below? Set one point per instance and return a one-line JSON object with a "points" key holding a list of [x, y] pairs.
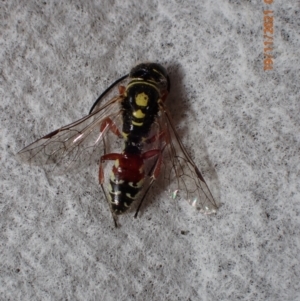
{"points": [[181, 173], [72, 145]]}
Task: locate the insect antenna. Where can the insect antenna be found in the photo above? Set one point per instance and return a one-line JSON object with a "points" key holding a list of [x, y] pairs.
{"points": [[106, 91]]}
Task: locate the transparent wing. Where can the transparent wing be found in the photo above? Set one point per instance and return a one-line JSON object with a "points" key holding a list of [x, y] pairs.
{"points": [[182, 175], [74, 144]]}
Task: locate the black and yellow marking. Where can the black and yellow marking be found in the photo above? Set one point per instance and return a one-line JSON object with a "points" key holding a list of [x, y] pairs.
{"points": [[142, 99], [140, 108], [138, 114], [122, 195]]}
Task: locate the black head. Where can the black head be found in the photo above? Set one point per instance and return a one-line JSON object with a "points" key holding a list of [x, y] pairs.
{"points": [[152, 72]]}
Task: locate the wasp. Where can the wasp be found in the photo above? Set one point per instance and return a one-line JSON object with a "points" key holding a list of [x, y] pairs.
{"points": [[137, 116]]}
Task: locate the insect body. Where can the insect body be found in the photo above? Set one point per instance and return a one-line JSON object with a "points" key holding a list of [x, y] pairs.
{"points": [[140, 105], [152, 147]]}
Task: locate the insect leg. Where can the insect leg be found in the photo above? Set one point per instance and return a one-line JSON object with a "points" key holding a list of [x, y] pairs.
{"points": [[151, 153], [110, 157], [154, 138], [107, 122], [165, 95], [154, 172], [122, 89]]}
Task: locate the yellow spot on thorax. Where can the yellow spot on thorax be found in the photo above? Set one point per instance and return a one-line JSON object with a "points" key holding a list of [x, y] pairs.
{"points": [[142, 99], [138, 114]]}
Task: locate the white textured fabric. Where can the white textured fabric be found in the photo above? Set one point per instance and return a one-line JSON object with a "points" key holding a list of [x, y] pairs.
{"points": [[240, 123]]}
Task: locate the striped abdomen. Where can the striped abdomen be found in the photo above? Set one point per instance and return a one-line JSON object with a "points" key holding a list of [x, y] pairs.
{"points": [[125, 182]]}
